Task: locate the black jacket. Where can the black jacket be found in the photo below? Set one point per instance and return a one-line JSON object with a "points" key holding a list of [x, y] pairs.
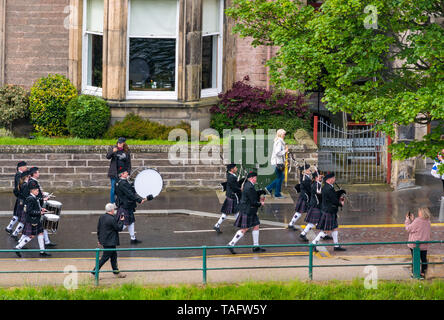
{"points": [[315, 197], [249, 203], [127, 197], [31, 184], [108, 230], [24, 191], [33, 210], [118, 158], [233, 187], [306, 188], [16, 183], [330, 201]]}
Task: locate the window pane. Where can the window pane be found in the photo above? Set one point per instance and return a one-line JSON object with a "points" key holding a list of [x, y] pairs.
{"points": [[94, 16], [209, 62], [150, 18], [210, 16], [152, 64], [95, 52]]}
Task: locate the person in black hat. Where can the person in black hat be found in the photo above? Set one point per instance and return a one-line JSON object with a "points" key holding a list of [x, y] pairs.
{"points": [[23, 194], [233, 194], [21, 167], [247, 217], [126, 201], [120, 157], [329, 208], [304, 197], [33, 225]]}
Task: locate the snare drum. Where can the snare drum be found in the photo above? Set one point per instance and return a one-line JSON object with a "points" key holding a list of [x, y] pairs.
{"points": [[53, 206], [148, 182], [51, 222]]}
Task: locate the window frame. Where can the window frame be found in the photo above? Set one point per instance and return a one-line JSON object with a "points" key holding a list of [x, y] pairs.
{"points": [[152, 95], [88, 89]]}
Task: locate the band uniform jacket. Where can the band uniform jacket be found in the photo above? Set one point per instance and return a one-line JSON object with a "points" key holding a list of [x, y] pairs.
{"points": [[33, 210], [108, 229], [233, 187], [23, 192], [127, 197], [249, 203], [31, 183], [306, 188], [315, 197], [330, 201]]}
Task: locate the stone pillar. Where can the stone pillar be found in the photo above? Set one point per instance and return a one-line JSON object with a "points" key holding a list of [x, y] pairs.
{"points": [[190, 50], [2, 40], [115, 30], [75, 43], [403, 171]]}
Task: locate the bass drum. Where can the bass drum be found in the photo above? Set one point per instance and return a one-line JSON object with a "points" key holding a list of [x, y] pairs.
{"points": [[148, 181]]}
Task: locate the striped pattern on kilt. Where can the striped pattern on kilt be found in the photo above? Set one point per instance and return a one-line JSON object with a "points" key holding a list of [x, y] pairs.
{"points": [[313, 215], [245, 221], [32, 230], [328, 221], [301, 205], [128, 216], [21, 212], [230, 206]]}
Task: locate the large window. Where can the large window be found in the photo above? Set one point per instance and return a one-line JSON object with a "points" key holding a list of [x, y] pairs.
{"points": [[92, 47], [152, 49], [212, 11]]}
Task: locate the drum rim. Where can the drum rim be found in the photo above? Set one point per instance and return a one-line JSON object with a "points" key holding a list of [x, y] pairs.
{"points": [[54, 202], [52, 215], [146, 170]]}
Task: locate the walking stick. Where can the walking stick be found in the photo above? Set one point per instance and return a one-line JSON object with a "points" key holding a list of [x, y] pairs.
{"points": [[286, 168]]}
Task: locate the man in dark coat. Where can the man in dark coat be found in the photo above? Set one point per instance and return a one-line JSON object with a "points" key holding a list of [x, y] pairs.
{"points": [[21, 167], [233, 194], [247, 218], [329, 208], [120, 157], [108, 229], [304, 197], [127, 200]]}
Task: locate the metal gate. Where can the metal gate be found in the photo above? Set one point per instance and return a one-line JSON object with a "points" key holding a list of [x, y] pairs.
{"points": [[355, 155]]}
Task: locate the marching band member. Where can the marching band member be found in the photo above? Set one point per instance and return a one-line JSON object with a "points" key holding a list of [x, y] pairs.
{"points": [[304, 197], [21, 167], [34, 175], [23, 194], [247, 217], [33, 225], [329, 209], [127, 200], [233, 193]]}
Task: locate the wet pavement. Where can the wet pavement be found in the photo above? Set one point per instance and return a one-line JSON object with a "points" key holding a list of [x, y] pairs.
{"points": [[366, 207]]}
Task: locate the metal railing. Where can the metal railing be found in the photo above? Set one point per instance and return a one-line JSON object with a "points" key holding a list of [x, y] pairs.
{"points": [[416, 263]]}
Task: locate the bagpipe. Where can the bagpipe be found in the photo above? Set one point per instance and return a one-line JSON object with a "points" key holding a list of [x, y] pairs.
{"points": [[242, 177], [301, 172], [340, 193]]}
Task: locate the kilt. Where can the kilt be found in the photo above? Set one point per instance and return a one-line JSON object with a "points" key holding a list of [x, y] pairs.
{"points": [[245, 221], [313, 215], [301, 205], [14, 212], [128, 216], [32, 230], [328, 221], [20, 212], [230, 206]]}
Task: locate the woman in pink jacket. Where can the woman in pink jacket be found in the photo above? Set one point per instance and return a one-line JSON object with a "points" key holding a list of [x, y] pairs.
{"points": [[419, 229]]}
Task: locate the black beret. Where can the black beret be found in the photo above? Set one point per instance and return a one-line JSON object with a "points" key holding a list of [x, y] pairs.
{"points": [[230, 166], [121, 170], [33, 169], [33, 185], [251, 174], [21, 164], [329, 175], [304, 167], [24, 174], [314, 174]]}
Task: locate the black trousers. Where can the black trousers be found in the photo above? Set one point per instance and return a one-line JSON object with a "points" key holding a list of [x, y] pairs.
{"points": [[109, 255], [423, 260]]}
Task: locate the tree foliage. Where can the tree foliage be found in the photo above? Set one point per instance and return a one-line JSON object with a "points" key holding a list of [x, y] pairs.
{"points": [[379, 60]]}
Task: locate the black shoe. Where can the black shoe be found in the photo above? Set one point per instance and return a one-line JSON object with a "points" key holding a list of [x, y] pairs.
{"points": [[327, 237], [135, 241], [303, 237], [8, 231], [18, 253], [51, 244], [339, 249], [292, 227], [231, 250], [217, 229], [258, 249], [315, 249], [14, 237], [93, 273], [45, 254]]}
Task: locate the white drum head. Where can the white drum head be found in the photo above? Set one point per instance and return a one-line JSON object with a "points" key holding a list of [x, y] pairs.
{"points": [[147, 182], [52, 217], [54, 204]]}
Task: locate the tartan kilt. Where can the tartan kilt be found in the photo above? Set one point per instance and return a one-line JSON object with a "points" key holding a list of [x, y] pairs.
{"points": [[301, 205], [32, 230], [230, 206], [20, 212], [128, 216], [328, 221], [313, 215], [14, 212], [245, 221]]}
